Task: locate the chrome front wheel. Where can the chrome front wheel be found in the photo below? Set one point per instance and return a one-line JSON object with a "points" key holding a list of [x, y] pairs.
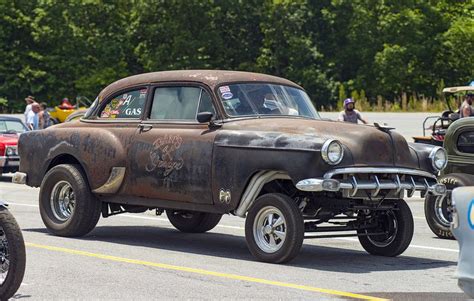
{"points": [[269, 229], [274, 228]]}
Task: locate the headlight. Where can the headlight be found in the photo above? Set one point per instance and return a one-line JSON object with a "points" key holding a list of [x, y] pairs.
{"points": [[439, 158], [10, 151], [332, 152]]}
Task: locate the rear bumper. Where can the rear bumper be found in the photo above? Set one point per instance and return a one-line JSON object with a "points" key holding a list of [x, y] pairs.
{"points": [[19, 178], [373, 183]]}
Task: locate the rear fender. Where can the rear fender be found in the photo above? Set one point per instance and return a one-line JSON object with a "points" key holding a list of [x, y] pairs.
{"points": [[97, 151]]}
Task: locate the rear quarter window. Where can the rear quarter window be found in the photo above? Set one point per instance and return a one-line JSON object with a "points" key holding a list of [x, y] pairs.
{"points": [[129, 105]]}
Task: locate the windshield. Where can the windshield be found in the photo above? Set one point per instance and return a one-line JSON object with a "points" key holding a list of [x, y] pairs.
{"points": [[11, 127], [265, 99]]}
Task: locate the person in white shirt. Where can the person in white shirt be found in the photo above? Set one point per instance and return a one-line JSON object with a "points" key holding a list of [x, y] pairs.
{"points": [[32, 120], [29, 101]]}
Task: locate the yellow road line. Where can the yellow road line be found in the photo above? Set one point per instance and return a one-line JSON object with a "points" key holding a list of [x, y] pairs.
{"points": [[204, 272]]}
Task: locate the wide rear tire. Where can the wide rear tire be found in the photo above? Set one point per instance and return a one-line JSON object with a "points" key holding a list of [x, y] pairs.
{"points": [[67, 206]]}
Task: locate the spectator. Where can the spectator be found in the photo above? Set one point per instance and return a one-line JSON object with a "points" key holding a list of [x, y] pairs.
{"points": [[66, 105], [32, 120], [29, 100], [44, 118], [466, 110], [350, 114]]}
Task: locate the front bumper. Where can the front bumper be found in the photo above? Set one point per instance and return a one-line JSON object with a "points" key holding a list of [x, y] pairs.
{"points": [[374, 183]]}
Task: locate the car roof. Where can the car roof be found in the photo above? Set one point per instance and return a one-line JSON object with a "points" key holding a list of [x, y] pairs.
{"points": [[211, 78], [458, 89], [10, 118]]}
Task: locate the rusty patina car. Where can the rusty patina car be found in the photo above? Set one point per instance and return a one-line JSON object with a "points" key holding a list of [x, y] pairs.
{"points": [[200, 144]]}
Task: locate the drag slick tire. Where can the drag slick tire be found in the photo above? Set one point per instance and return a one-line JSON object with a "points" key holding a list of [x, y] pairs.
{"points": [[397, 224], [67, 206], [193, 222], [12, 255], [274, 228], [438, 210]]}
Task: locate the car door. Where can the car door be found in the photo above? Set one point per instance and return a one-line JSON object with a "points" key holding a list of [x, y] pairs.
{"points": [[172, 152], [113, 131]]}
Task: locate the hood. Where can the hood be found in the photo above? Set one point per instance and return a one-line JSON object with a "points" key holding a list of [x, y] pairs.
{"points": [[9, 139], [366, 145]]}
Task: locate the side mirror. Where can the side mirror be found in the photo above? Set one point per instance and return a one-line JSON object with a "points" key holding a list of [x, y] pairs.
{"points": [[204, 117]]}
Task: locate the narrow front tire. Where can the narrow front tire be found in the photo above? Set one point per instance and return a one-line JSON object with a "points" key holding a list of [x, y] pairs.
{"points": [[274, 228], [392, 233]]}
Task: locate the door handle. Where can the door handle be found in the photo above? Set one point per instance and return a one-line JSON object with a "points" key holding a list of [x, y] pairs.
{"points": [[145, 127]]}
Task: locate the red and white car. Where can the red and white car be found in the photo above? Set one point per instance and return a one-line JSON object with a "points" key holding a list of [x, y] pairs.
{"points": [[10, 129]]}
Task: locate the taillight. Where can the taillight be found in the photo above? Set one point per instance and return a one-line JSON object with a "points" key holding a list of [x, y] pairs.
{"points": [[2, 149]]}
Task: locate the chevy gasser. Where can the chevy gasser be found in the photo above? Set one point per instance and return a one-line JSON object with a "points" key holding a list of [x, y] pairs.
{"points": [[200, 144]]}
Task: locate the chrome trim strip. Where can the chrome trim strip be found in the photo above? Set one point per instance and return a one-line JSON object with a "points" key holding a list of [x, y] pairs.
{"points": [[389, 170], [399, 184], [113, 183], [255, 186], [377, 190], [354, 186]]}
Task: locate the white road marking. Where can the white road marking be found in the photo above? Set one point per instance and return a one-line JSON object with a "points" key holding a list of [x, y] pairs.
{"points": [[165, 220], [411, 246]]}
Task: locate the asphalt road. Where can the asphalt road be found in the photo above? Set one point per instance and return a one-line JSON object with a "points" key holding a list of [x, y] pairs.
{"points": [[141, 256]]}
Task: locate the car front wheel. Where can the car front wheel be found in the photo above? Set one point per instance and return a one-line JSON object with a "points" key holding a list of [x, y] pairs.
{"points": [[67, 206], [274, 228], [193, 222], [391, 230]]}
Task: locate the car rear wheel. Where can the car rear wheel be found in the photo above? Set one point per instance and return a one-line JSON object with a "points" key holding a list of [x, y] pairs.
{"points": [[438, 209], [67, 206], [274, 228], [193, 222], [392, 233]]}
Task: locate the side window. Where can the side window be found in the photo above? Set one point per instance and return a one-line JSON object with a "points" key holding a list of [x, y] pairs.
{"points": [[205, 105], [179, 103], [127, 105], [465, 142]]}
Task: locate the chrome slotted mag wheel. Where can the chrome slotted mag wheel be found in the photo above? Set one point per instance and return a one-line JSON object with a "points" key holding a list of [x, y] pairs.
{"points": [[63, 201], [270, 229]]}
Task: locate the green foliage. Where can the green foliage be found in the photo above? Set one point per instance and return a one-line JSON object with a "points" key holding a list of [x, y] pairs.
{"points": [[390, 55]]}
